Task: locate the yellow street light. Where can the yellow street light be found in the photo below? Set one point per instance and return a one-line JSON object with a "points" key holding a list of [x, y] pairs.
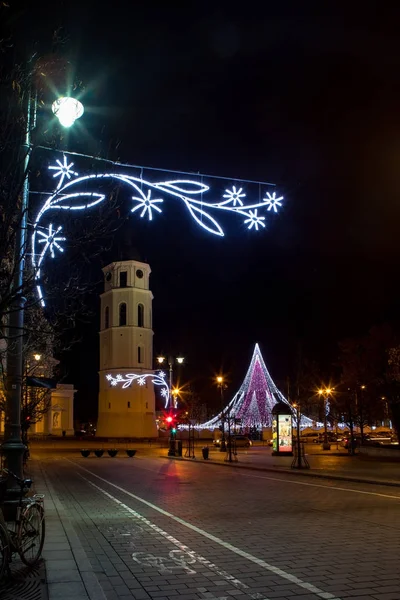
{"points": [[180, 359], [220, 379], [37, 356], [160, 359]]}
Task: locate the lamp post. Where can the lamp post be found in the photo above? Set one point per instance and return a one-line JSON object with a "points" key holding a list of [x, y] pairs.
{"points": [[161, 360], [68, 111], [220, 383], [325, 393]]}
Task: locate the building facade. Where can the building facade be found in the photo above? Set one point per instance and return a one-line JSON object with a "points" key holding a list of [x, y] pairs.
{"points": [[60, 416], [126, 409]]}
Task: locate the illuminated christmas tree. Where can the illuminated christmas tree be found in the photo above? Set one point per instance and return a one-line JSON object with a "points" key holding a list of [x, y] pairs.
{"points": [[253, 402]]}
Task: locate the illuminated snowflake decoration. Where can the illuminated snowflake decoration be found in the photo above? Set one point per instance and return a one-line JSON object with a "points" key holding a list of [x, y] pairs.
{"points": [[254, 220], [125, 381], [50, 240], [161, 374], [203, 202], [273, 202], [234, 196], [147, 204], [63, 170]]}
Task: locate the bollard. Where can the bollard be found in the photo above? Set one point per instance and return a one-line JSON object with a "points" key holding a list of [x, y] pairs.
{"points": [[85, 453], [205, 451], [131, 453], [99, 452], [113, 452]]}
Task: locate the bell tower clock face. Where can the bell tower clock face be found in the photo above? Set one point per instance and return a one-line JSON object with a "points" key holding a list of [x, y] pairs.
{"points": [[108, 276]]}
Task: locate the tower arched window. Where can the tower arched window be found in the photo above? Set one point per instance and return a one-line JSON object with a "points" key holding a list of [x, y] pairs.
{"points": [[140, 354], [140, 315], [122, 314], [106, 318]]}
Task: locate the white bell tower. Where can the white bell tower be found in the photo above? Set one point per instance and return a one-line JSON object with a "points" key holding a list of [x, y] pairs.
{"points": [[126, 346]]}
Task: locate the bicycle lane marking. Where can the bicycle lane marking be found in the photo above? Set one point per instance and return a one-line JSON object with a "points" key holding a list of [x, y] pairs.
{"points": [[183, 549], [261, 563]]}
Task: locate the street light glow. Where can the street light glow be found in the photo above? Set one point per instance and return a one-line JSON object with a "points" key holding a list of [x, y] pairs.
{"points": [[37, 356], [180, 359], [67, 110], [220, 379], [160, 359]]}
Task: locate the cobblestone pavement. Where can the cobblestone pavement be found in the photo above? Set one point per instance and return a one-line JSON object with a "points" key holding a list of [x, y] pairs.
{"points": [[148, 527]]}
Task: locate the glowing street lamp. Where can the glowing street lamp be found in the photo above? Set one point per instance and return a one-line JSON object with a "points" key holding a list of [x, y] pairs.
{"points": [[180, 360], [37, 356], [67, 110]]}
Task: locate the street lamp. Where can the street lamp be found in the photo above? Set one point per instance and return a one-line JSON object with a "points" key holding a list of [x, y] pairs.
{"points": [[13, 446], [325, 393], [161, 360], [220, 383], [67, 110]]}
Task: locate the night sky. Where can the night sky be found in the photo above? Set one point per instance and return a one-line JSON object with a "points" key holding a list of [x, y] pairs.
{"points": [[306, 97]]}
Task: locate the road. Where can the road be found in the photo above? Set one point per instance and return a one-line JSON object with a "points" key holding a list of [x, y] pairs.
{"points": [[153, 527]]}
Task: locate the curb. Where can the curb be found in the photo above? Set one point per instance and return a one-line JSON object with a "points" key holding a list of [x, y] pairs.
{"points": [[305, 473]]}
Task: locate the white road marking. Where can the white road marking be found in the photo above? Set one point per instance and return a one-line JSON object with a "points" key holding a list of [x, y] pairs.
{"points": [[318, 485], [261, 563], [182, 548]]}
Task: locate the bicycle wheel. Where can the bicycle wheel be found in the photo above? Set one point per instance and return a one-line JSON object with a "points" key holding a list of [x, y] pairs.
{"points": [[4, 551], [30, 534]]}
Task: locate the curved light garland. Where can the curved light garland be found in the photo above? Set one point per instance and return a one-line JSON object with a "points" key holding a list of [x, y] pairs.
{"points": [[126, 380], [148, 198]]}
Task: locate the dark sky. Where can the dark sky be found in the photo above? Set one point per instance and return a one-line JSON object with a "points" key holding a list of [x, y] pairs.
{"points": [[306, 95]]}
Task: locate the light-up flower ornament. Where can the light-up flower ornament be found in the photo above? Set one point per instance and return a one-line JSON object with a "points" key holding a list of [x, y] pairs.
{"points": [[254, 220], [234, 196], [63, 170], [147, 204], [273, 202], [50, 240]]}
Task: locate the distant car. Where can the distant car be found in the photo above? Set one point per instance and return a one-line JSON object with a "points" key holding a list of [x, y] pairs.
{"points": [[310, 437], [240, 441]]}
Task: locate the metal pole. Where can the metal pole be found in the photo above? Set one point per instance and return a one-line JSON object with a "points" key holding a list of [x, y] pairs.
{"points": [[170, 384], [223, 444], [299, 465], [229, 438], [13, 446]]}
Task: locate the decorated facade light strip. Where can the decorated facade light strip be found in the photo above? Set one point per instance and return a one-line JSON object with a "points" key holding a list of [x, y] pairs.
{"points": [[126, 380], [204, 203]]}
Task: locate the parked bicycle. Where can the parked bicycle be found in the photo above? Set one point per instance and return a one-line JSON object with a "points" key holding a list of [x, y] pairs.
{"points": [[24, 534]]}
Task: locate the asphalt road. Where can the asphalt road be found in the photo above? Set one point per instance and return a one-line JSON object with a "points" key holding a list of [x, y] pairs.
{"points": [[154, 527]]}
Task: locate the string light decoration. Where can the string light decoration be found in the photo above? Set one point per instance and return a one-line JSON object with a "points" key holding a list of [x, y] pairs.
{"points": [[126, 380], [255, 399], [205, 203]]}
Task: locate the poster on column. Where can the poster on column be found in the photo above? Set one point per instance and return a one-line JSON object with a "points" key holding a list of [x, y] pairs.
{"points": [[285, 433]]}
